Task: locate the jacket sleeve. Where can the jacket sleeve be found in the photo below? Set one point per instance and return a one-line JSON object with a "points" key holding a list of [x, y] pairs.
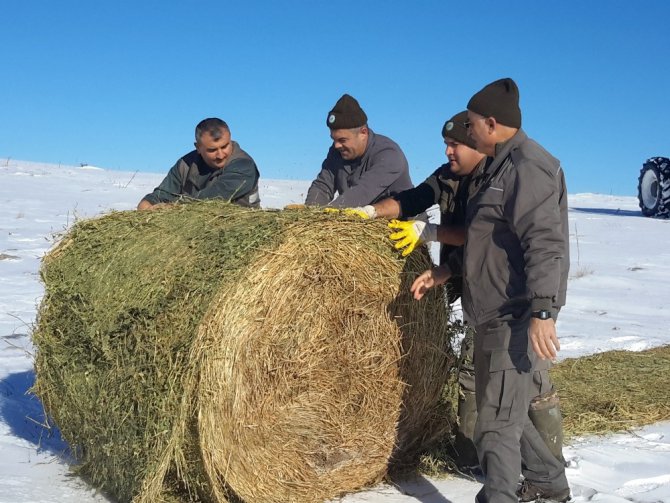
{"points": [[237, 179], [536, 219], [385, 167], [169, 189], [418, 199], [322, 190]]}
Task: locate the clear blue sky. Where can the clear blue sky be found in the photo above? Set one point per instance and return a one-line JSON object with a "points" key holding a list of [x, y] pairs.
{"points": [[122, 84]]}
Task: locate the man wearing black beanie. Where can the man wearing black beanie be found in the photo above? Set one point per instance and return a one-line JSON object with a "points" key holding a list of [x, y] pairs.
{"points": [[361, 167], [517, 224], [515, 270]]}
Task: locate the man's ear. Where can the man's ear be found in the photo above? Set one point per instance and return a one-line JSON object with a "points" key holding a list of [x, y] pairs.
{"points": [[490, 124]]}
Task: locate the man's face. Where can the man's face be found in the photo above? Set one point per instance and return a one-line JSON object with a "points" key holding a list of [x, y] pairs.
{"points": [[481, 133], [463, 159], [215, 153], [350, 143]]}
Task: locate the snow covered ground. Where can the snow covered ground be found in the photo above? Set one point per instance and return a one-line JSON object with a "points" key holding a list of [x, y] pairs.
{"points": [[617, 299]]}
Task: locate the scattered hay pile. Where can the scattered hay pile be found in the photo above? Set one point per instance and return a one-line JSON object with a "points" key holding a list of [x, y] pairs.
{"points": [[614, 390], [210, 352], [602, 393]]}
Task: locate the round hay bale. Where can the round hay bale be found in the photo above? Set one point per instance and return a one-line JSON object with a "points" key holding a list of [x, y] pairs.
{"points": [[210, 352]]}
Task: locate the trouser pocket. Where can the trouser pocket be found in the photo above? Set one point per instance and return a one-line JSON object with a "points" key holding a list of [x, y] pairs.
{"points": [[502, 385]]}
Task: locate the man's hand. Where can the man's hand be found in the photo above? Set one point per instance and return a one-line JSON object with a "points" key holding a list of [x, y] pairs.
{"points": [[542, 335], [365, 212], [412, 233], [427, 280], [146, 205]]}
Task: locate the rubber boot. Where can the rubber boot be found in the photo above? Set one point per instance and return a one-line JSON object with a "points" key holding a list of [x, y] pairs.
{"points": [[545, 413], [467, 416], [467, 404]]}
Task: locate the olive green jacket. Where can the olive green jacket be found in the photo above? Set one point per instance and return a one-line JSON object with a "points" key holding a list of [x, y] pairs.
{"points": [[192, 178]]}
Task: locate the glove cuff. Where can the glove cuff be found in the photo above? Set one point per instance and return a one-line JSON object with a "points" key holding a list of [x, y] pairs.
{"points": [[430, 232], [370, 211]]}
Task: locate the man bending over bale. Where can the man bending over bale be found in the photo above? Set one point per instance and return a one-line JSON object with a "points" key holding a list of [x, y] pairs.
{"points": [[361, 167], [217, 169]]}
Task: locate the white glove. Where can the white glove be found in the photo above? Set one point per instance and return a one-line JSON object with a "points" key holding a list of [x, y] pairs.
{"points": [[367, 211], [427, 232]]}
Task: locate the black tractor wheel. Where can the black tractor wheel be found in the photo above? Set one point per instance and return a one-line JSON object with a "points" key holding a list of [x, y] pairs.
{"points": [[653, 188]]}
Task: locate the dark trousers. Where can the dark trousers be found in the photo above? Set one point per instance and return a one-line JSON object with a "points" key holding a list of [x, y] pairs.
{"points": [[508, 375]]}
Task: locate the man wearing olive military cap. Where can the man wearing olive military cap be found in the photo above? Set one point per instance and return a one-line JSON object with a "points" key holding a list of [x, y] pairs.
{"points": [[447, 187]]}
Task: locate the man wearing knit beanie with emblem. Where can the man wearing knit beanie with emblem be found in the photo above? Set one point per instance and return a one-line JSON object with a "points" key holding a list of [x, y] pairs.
{"points": [[515, 269], [447, 187], [361, 167]]}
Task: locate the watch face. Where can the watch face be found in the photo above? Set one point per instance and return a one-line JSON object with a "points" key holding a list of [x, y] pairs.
{"points": [[543, 314]]}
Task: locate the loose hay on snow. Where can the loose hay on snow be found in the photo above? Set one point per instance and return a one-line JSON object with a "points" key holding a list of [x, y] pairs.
{"points": [[614, 390], [600, 394], [209, 352]]}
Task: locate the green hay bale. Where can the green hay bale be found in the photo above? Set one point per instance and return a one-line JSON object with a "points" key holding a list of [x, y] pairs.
{"points": [[141, 309], [613, 391]]}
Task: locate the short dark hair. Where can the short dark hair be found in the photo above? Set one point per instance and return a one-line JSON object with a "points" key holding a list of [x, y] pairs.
{"points": [[213, 126]]}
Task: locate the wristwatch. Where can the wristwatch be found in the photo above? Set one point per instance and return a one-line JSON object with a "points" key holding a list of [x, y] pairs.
{"points": [[542, 314]]}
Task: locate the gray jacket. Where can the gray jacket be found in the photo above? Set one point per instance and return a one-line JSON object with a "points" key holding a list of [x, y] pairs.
{"points": [[382, 171], [516, 252]]}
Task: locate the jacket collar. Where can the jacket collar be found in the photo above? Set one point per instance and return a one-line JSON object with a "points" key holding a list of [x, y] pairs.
{"points": [[504, 148]]}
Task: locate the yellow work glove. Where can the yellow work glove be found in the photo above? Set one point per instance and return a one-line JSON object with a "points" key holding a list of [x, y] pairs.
{"points": [[365, 212], [411, 234]]}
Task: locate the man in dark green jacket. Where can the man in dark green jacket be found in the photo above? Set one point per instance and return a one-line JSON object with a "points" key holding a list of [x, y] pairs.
{"points": [[217, 169], [447, 187]]}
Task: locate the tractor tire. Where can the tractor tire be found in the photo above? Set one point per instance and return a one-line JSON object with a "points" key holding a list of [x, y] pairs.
{"points": [[653, 188]]}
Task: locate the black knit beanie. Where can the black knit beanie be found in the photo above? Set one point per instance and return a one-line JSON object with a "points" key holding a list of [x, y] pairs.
{"points": [[346, 114], [499, 99], [455, 129]]}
